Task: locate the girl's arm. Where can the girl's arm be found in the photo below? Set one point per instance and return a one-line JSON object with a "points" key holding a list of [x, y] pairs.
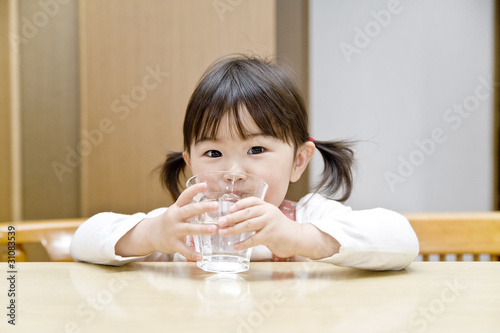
{"points": [[314, 243], [96, 238], [115, 239], [167, 232], [138, 241], [375, 239]]}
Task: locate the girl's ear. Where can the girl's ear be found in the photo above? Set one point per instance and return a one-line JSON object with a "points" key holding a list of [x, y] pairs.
{"points": [[187, 158], [302, 159]]}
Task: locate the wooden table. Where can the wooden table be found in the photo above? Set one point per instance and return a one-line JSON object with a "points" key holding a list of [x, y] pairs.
{"points": [[270, 297]]}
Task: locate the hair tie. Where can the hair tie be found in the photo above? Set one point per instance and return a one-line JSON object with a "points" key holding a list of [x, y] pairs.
{"points": [[311, 139]]}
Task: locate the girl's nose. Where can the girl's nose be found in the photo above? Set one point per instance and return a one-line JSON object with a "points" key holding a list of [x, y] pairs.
{"points": [[233, 177], [235, 166]]}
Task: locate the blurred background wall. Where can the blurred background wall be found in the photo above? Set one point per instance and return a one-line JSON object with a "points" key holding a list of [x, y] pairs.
{"points": [[93, 92], [412, 81]]}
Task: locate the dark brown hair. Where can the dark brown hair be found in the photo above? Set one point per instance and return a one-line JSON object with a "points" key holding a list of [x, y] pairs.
{"points": [[272, 99]]}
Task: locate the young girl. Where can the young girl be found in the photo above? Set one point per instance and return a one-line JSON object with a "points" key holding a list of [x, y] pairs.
{"points": [[247, 115]]}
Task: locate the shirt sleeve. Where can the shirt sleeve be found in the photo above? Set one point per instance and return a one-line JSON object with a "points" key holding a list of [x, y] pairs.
{"points": [[374, 239], [95, 240]]}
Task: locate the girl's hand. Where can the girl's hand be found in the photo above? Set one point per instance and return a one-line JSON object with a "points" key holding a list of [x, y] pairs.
{"points": [[167, 233], [170, 234], [273, 229]]}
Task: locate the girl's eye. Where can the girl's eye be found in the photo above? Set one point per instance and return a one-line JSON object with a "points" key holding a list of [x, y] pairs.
{"points": [[213, 153], [256, 150]]}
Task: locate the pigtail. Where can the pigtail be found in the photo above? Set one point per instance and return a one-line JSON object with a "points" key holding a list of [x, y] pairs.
{"points": [[171, 172], [338, 158]]}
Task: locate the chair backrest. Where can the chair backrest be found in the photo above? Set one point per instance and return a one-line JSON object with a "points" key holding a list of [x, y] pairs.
{"points": [[54, 235], [439, 234], [460, 234]]}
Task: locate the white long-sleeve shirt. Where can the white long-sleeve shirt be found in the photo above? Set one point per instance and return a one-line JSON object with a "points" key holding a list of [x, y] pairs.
{"points": [[375, 239]]}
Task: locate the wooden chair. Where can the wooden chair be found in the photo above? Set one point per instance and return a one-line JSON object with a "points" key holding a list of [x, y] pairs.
{"points": [[54, 235], [438, 233], [459, 234]]}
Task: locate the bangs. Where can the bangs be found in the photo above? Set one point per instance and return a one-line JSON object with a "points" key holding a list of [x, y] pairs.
{"points": [[209, 124], [232, 89]]}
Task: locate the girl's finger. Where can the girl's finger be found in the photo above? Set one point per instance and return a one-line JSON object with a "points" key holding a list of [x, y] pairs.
{"points": [[188, 194], [189, 254], [189, 211], [245, 203], [248, 225], [247, 243], [239, 216], [187, 229]]}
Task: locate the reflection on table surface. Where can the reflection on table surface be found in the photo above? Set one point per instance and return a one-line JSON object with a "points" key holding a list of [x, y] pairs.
{"points": [[270, 297]]}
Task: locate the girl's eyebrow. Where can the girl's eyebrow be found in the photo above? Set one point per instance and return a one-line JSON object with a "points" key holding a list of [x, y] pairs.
{"points": [[248, 136], [253, 135]]}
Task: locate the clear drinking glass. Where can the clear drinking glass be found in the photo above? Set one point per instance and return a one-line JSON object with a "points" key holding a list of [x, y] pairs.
{"points": [[218, 254]]}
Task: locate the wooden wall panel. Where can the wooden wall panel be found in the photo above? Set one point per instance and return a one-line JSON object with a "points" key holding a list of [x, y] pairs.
{"points": [[49, 108], [5, 117], [140, 61], [496, 106], [293, 47]]}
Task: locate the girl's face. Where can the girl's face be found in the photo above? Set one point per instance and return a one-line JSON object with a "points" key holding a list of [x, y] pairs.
{"points": [[266, 157]]}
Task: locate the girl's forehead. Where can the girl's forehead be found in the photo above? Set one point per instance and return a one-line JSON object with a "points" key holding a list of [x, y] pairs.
{"points": [[231, 127], [239, 123]]}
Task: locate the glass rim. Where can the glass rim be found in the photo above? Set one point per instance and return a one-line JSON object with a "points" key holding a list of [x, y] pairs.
{"points": [[230, 172]]}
